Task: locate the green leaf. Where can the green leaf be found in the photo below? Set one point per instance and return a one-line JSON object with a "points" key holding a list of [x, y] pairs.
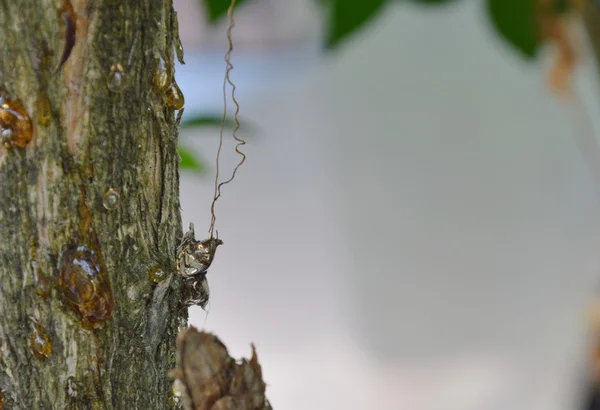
{"points": [[189, 160], [432, 2], [514, 20], [562, 6], [217, 9], [348, 16], [203, 120]]}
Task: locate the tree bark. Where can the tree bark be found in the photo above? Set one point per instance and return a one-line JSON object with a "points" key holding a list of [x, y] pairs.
{"points": [[209, 379], [89, 208]]}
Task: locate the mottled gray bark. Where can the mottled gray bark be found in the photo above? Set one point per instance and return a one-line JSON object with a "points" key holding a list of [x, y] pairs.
{"points": [[83, 322]]}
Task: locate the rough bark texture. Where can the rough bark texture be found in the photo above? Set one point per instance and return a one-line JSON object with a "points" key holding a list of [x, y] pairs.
{"points": [[209, 379], [86, 328]]}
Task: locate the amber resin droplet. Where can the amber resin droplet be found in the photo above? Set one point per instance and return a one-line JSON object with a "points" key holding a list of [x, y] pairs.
{"points": [[111, 199], [16, 129], [175, 99], [40, 342], [116, 78], [157, 273], [160, 77], [83, 285]]}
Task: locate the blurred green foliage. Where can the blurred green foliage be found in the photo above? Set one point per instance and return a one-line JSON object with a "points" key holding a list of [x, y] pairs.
{"points": [[189, 161], [513, 20], [201, 120], [217, 9], [204, 120], [432, 2], [345, 17]]}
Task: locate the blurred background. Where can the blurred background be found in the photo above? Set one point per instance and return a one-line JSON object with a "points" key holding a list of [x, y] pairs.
{"points": [[418, 222]]}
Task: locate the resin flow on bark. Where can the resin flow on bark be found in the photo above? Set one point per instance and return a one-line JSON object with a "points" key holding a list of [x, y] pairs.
{"points": [[83, 285], [162, 75], [110, 201], [175, 98], [116, 78], [16, 129], [40, 342], [156, 273]]}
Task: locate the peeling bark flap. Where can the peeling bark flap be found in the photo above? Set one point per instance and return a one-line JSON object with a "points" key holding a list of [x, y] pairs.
{"points": [[209, 379]]}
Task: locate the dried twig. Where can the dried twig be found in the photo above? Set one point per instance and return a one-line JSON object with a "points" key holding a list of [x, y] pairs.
{"points": [[239, 141]]}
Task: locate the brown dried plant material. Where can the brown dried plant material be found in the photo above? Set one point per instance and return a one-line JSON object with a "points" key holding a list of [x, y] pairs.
{"points": [[557, 29], [210, 379], [565, 60], [591, 394], [594, 322], [193, 260]]}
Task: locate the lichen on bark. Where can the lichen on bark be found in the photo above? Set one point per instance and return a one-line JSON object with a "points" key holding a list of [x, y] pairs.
{"points": [[89, 138]]}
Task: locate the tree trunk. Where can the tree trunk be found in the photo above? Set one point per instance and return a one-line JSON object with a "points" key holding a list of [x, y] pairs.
{"points": [[89, 207]]}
